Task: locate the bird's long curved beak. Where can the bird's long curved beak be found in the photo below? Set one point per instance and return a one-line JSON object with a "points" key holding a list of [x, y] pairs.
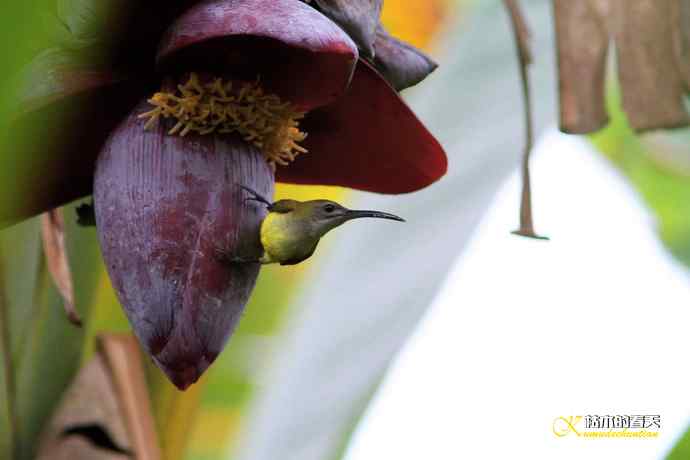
{"points": [[375, 214]]}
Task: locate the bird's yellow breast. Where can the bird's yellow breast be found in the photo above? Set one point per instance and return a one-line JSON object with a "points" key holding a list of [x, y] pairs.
{"points": [[280, 238]]}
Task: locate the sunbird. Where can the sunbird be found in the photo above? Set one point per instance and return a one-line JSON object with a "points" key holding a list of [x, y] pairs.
{"points": [[292, 229]]}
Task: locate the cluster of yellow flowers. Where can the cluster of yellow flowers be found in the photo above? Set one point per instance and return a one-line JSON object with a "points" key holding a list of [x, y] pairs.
{"points": [[215, 106]]}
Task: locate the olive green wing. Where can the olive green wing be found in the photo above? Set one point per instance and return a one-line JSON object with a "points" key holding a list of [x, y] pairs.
{"points": [[283, 206], [297, 260]]}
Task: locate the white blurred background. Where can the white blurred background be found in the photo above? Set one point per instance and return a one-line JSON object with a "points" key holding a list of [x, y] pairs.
{"points": [[594, 321]]}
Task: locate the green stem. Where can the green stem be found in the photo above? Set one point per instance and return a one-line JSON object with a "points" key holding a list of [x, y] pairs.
{"points": [[10, 381]]}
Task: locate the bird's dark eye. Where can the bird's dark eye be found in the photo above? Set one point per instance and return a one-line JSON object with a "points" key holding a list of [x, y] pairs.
{"points": [[329, 208]]}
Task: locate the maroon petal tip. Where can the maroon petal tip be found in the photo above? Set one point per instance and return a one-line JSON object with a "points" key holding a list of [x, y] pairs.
{"points": [[297, 52], [184, 374], [368, 140], [166, 207]]}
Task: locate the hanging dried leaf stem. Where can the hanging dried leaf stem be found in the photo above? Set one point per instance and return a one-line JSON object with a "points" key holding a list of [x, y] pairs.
{"points": [[55, 249], [521, 33]]}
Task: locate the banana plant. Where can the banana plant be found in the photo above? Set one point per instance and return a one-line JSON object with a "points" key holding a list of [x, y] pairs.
{"points": [[56, 297]]}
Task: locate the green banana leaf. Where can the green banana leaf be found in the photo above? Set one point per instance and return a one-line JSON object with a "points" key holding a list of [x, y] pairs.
{"points": [[681, 450], [656, 164], [41, 351], [44, 349]]}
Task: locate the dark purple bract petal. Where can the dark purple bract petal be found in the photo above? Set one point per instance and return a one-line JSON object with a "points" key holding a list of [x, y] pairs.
{"points": [[294, 50], [358, 17], [400, 63], [368, 140], [163, 205]]}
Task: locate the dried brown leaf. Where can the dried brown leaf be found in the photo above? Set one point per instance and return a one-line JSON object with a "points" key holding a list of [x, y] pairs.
{"points": [[55, 250], [651, 82], [582, 37], [123, 357], [681, 35], [105, 414], [91, 400]]}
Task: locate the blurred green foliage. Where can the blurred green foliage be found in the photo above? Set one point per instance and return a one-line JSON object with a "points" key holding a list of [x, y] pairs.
{"points": [[662, 181], [664, 188], [681, 450], [46, 351], [43, 348], [20, 37], [41, 358]]}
